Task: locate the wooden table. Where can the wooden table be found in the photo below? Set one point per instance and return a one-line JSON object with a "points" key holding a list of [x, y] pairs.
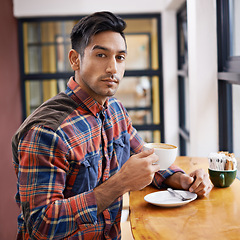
{"points": [[216, 216]]}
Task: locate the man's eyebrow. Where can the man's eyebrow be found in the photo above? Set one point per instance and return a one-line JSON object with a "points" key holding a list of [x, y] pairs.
{"points": [[100, 47], [106, 49]]}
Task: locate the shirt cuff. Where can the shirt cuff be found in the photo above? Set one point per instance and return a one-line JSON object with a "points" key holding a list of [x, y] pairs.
{"points": [[84, 207], [162, 175]]}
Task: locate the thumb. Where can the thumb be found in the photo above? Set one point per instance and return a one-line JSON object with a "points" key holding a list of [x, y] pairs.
{"points": [[190, 179], [146, 153], [187, 181]]}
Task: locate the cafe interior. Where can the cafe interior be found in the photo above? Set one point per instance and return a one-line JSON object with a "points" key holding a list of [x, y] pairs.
{"points": [[181, 84]]}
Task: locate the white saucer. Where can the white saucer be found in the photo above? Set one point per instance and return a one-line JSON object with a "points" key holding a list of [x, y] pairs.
{"points": [[166, 199]]}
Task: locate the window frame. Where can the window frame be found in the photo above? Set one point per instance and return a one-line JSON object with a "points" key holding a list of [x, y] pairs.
{"points": [[184, 135], [66, 75], [228, 74]]}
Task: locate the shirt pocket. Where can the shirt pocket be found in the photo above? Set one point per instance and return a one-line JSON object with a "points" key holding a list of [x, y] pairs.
{"points": [[122, 148], [87, 174]]}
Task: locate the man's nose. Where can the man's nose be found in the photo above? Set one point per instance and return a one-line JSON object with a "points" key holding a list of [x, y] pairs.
{"points": [[112, 66]]}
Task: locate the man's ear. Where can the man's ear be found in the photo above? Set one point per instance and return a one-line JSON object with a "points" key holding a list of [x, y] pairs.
{"points": [[73, 57]]}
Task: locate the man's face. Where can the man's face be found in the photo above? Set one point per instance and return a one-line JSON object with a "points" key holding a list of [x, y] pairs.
{"points": [[102, 66]]}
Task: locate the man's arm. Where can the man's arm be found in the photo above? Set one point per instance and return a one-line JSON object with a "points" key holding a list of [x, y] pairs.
{"points": [[135, 174], [197, 181], [42, 175]]}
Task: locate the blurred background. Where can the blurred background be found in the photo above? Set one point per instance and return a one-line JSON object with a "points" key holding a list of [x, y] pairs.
{"points": [[182, 80]]}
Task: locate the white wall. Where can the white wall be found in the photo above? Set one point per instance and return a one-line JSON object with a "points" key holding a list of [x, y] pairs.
{"points": [[203, 91], [170, 82], [76, 7], [202, 57]]}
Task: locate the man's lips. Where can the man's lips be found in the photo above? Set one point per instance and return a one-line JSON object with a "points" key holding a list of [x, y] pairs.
{"points": [[110, 80]]}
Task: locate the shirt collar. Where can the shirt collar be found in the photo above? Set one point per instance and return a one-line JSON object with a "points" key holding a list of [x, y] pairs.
{"points": [[82, 97]]}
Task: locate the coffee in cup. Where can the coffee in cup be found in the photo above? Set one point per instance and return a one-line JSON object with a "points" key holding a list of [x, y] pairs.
{"points": [[166, 153]]}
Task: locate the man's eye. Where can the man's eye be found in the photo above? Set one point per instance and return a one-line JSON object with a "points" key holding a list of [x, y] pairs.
{"points": [[101, 55], [121, 57]]}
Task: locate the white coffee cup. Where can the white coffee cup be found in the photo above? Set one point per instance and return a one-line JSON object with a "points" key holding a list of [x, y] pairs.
{"points": [[166, 153]]}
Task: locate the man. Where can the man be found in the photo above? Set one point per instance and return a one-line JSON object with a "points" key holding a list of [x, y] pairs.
{"points": [[78, 153]]}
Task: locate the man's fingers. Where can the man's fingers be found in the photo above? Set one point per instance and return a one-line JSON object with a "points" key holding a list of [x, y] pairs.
{"points": [[198, 175], [203, 191], [196, 188], [202, 185], [152, 157], [156, 167]]}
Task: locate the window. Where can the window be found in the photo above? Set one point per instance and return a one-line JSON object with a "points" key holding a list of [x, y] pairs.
{"points": [[228, 23], [45, 69]]}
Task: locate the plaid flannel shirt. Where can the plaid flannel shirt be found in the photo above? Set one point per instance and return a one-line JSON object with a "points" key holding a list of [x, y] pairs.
{"points": [[66, 148]]}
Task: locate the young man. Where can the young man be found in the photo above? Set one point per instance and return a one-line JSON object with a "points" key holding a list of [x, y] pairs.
{"points": [[78, 153]]}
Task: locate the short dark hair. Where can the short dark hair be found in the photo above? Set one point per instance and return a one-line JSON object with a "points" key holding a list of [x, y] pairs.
{"points": [[95, 23]]}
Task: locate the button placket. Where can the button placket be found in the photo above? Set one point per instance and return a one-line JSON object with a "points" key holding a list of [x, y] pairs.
{"points": [[107, 218], [106, 169]]}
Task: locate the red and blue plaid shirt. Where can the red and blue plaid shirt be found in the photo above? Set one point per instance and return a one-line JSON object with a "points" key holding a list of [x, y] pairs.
{"points": [[66, 148]]}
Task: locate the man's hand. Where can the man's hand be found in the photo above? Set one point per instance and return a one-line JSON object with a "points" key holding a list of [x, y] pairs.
{"points": [[139, 170], [197, 182], [135, 174]]}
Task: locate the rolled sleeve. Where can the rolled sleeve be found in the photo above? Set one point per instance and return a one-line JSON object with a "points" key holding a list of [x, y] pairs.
{"points": [[162, 175]]}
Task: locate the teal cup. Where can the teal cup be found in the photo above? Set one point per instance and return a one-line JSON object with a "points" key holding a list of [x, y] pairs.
{"points": [[222, 179]]}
